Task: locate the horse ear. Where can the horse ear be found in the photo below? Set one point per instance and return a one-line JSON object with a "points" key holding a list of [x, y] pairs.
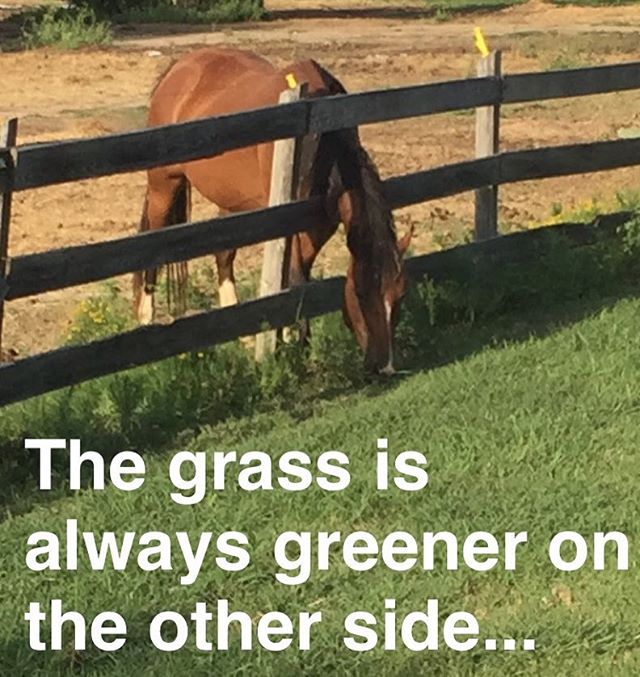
{"points": [[405, 240]]}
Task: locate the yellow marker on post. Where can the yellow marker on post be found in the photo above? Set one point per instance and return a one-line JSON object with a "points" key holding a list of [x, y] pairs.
{"points": [[291, 80], [481, 43]]}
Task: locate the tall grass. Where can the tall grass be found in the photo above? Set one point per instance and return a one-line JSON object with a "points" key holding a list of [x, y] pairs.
{"points": [[175, 11], [89, 22], [445, 10], [595, 3], [65, 28], [221, 11]]}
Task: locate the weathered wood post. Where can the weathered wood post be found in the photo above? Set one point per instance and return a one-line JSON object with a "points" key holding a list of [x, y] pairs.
{"points": [[283, 187], [8, 138], [487, 143]]}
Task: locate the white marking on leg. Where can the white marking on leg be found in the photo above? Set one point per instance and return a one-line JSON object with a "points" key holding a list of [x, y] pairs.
{"points": [[227, 293], [145, 308], [388, 369]]}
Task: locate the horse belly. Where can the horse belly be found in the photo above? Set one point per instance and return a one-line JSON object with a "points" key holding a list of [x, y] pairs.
{"points": [[233, 181]]}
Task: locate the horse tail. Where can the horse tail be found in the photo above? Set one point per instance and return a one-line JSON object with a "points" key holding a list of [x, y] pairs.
{"points": [[178, 273]]}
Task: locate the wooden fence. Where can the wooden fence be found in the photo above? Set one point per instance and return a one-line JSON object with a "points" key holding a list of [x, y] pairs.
{"points": [[39, 165]]}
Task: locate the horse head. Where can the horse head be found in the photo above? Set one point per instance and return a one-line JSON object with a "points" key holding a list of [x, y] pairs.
{"points": [[341, 169], [376, 279]]}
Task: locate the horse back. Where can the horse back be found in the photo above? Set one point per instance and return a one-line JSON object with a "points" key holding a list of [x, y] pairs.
{"points": [[220, 81], [215, 81]]}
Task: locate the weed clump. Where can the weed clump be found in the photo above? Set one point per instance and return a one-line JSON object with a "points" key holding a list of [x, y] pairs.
{"points": [[66, 28], [218, 11]]}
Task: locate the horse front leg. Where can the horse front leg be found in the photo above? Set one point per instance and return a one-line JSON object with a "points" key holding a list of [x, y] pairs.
{"points": [[304, 250], [143, 300], [296, 273]]}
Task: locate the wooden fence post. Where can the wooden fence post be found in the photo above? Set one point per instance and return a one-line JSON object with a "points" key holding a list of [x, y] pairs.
{"points": [[8, 138], [487, 143], [283, 187]]}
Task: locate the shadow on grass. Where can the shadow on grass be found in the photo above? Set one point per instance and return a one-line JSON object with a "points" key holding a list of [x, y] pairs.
{"points": [[429, 11], [154, 408], [11, 32], [457, 342]]}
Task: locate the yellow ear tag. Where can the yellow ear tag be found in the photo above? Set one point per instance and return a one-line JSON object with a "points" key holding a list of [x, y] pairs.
{"points": [[480, 41], [291, 80]]}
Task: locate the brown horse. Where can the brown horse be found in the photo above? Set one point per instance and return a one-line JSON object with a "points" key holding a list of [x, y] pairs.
{"points": [[213, 82]]}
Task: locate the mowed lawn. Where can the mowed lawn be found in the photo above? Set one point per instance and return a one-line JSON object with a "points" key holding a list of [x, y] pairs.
{"points": [[540, 435]]}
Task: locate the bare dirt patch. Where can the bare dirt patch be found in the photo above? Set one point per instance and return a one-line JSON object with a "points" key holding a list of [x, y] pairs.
{"points": [[87, 93]]}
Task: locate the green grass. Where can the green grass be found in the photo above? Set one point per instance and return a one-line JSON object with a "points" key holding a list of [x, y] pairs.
{"points": [[587, 211], [224, 11], [89, 23], [150, 407], [571, 50], [527, 413], [595, 3], [65, 29], [538, 435], [442, 7]]}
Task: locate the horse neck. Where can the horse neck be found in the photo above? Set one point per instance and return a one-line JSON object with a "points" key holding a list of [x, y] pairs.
{"points": [[344, 173], [365, 211]]}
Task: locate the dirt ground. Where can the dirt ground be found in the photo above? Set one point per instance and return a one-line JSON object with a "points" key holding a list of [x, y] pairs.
{"points": [[63, 95]]}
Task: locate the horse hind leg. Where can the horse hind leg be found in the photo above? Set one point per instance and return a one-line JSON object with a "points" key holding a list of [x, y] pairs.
{"points": [[226, 279], [166, 203], [178, 273]]}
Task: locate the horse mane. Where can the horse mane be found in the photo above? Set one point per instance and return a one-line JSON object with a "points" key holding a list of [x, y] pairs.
{"points": [[380, 219], [375, 199], [357, 169], [353, 169]]}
